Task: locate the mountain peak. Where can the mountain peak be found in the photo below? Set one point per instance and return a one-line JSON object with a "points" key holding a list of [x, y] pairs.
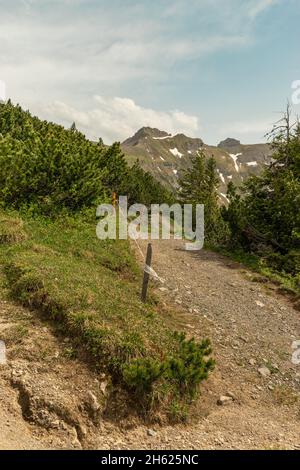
{"points": [[229, 142], [180, 139], [144, 133]]}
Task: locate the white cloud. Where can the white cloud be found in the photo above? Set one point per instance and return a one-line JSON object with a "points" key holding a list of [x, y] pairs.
{"points": [[65, 51], [246, 129], [119, 118], [259, 6], [65, 43], [2, 91]]}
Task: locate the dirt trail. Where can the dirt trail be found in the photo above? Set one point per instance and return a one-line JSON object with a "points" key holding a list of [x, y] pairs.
{"points": [[251, 326]]}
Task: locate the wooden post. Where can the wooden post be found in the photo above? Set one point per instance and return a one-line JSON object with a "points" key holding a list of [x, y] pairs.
{"points": [[146, 273], [114, 199]]}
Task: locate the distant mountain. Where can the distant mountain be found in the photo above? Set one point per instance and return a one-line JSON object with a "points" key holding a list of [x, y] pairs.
{"points": [[166, 156]]}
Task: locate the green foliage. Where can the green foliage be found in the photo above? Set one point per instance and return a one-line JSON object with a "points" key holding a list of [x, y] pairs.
{"points": [[141, 186], [199, 186], [191, 365], [264, 217], [142, 373], [47, 168], [185, 369]]}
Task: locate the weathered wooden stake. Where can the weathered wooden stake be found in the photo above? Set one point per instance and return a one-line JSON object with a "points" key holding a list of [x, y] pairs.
{"points": [[146, 273]]}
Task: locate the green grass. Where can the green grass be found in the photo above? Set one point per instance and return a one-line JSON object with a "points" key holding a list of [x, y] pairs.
{"points": [[91, 289]]}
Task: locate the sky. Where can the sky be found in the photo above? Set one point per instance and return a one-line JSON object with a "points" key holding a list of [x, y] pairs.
{"points": [[208, 68]]}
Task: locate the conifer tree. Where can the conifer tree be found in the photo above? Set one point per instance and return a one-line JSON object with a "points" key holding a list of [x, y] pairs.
{"points": [[199, 186], [48, 168], [265, 217]]}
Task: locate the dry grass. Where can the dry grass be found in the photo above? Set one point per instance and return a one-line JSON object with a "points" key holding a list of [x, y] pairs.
{"points": [[284, 395], [11, 230]]}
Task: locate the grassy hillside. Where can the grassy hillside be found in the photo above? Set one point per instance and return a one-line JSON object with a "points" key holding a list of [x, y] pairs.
{"points": [[91, 290]]}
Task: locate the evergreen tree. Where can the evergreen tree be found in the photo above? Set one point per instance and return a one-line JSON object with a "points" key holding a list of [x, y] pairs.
{"points": [[199, 186], [48, 168], [265, 217], [192, 184], [73, 127]]}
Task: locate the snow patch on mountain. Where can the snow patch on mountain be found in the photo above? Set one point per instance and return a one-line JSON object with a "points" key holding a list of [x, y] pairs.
{"points": [[221, 176], [164, 137], [176, 152], [235, 157]]}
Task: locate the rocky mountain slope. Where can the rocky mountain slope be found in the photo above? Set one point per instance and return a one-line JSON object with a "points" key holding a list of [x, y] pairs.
{"points": [[167, 156]]}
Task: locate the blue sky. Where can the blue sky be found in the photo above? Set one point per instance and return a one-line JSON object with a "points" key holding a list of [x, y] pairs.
{"points": [[209, 68]]}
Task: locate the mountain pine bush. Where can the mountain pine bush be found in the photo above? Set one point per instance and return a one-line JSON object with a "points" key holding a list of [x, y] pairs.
{"points": [[48, 168], [264, 216]]}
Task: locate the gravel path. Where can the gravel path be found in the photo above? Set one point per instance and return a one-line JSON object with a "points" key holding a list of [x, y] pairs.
{"points": [[252, 329]]}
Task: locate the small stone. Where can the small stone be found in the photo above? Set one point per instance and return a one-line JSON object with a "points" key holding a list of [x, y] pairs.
{"points": [[224, 400], [231, 395], [17, 372], [55, 424], [103, 388], [151, 433], [163, 289], [82, 430], [252, 362], [244, 339], [93, 402], [264, 371], [2, 353], [259, 304]]}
